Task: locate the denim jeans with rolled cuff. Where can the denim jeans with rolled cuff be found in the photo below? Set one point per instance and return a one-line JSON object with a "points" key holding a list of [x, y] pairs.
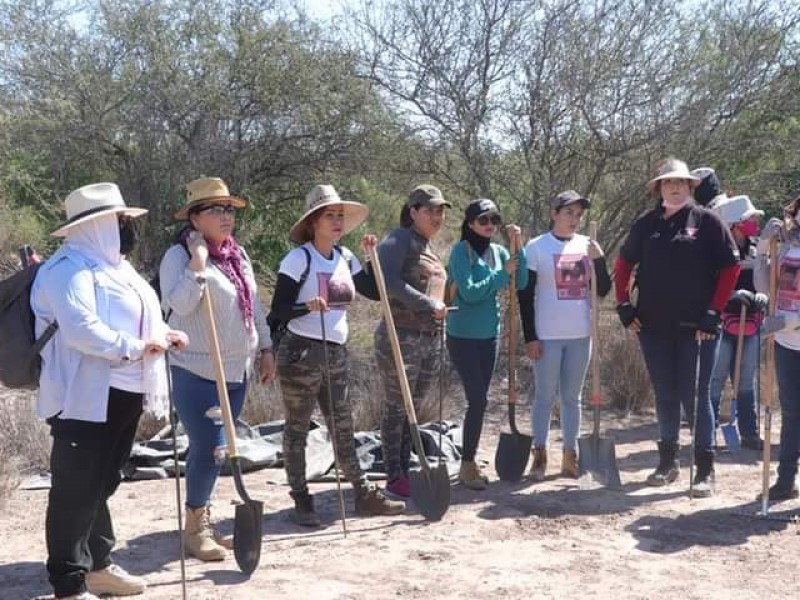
{"points": [[724, 367]]}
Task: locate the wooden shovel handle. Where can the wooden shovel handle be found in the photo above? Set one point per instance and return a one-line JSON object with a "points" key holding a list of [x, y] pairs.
{"points": [[219, 370], [512, 327], [737, 365], [596, 399], [396, 352]]}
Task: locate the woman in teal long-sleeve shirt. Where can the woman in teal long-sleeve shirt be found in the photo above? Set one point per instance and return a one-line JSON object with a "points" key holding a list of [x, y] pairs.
{"points": [[479, 269]]}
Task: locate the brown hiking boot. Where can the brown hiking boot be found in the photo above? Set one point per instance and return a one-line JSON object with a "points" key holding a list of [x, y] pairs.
{"points": [[198, 537], [303, 513], [470, 475], [569, 464], [539, 465], [370, 501]]}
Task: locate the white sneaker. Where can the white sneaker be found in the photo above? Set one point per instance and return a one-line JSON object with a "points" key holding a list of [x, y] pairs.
{"points": [[81, 596], [115, 581]]}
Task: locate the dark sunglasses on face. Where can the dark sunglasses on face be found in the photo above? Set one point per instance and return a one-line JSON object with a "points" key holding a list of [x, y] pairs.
{"points": [[485, 220], [219, 209]]}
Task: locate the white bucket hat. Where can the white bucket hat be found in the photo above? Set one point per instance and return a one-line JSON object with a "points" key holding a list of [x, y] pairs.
{"points": [[736, 209], [672, 168], [92, 201], [321, 197]]}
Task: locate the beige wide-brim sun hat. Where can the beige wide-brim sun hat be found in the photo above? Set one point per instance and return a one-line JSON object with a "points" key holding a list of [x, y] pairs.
{"points": [[205, 192], [323, 196], [92, 201], [672, 169]]}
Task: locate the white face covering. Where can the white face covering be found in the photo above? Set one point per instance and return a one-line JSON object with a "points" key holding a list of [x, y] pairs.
{"points": [[672, 207]]}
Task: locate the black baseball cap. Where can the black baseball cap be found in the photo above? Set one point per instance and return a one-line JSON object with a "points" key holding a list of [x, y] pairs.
{"points": [[569, 197]]}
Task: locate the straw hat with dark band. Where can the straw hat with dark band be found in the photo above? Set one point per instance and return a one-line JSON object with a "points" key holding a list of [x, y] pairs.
{"points": [[92, 201], [672, 169], [205, 192]]}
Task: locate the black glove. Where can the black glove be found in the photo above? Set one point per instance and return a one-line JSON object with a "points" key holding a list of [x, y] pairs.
{"points": [[627, 313], [710, 322], [761, 302]]}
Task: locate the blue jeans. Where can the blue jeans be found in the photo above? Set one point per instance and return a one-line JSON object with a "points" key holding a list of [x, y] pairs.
{"points": [[672, 363], [787, 368], [474, 360], [560, 370], [194, 396], [745, 406]]}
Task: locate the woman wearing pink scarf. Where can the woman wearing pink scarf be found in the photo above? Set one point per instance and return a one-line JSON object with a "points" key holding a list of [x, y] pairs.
{"points": [[207, 259]]}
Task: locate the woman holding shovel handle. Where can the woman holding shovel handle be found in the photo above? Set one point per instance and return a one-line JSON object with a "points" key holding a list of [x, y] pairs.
{"points": [[415, 280], [317, 281], [785, 325], [478, 270], [741, 217], [687, 267], [207, 259], [556, 318]]}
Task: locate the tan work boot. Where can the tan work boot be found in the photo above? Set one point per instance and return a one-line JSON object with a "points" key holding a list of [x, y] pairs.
{"points": [[470, 475], [114, 581], [539, 465], [198, 537], [370, 501], [569, 464]]}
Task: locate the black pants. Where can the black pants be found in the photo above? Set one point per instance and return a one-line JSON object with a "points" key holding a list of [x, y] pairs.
{"points": [[474, 360], [85, 464]]}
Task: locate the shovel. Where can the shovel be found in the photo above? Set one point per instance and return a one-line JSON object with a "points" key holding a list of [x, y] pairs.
{"points": [[730, 431], [249, 514], [596, 454], [430, 486], [513, 449]]}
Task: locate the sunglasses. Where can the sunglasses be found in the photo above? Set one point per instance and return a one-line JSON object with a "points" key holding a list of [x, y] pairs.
{"points": [[485, 220], [219, 209]]}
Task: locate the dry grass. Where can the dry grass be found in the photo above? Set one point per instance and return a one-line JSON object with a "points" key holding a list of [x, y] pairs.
{"points": [[24, 440]]}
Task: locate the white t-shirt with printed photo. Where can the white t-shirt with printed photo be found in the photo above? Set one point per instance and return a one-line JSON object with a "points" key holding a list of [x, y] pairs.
{"points": [[329, 278], [788, 298], [563, 298]]}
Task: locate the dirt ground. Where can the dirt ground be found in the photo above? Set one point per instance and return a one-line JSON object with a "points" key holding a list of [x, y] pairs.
{"points": [[555, 539]]}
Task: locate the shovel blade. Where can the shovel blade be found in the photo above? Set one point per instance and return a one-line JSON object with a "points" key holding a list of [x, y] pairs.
{"points": [[597, 459], [511, 456], [731, 434], [247, 535], [430, 490]]}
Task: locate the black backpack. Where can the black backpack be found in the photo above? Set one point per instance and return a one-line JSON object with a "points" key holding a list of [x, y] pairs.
{"points": [[20, 363], [278, 328]]}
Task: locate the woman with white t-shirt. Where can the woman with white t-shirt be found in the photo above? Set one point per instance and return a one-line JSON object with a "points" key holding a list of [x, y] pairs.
{"points": [[787, 340], [555, 310], [316, 283]]}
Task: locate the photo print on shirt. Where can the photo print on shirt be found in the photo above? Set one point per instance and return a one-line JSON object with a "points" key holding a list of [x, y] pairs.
{"points": [[572, 276]]}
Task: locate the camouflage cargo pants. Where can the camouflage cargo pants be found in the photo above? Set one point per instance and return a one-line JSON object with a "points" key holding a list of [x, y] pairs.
{"points": [[301, 369], [421, 354]]}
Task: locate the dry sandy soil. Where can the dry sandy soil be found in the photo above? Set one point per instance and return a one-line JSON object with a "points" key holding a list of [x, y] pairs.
{"points": [[550, 540]]}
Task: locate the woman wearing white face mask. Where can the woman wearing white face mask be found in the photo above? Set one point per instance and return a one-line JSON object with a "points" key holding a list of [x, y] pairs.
{"points": [[687, 266], [101, 368]]}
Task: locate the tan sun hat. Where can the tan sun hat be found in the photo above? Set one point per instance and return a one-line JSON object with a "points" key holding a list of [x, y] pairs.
{"points": [[672, 168], [207, 190], [320, 197], [92, 201]]}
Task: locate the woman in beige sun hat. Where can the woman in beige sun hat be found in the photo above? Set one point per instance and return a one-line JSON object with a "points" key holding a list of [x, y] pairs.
{"points": [[207, 259], [102, 367], [687, 267], [317, 281]]}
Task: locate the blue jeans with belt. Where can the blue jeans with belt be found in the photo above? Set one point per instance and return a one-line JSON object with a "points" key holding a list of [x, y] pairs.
{"points": [[787, 368], [194, 396], [672, 363], [745, 406]]}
